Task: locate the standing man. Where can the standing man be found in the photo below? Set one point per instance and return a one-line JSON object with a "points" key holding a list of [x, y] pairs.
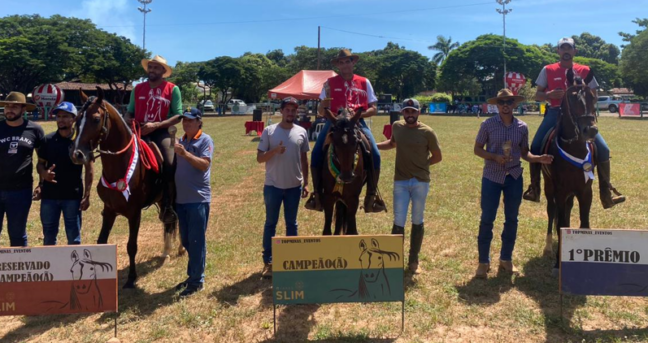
{"points": [[506, 141], [61, 188], [347, 90], [417, 148], [283, 148], [18, 139], [552, 84], [192, 175], [155, 105]]}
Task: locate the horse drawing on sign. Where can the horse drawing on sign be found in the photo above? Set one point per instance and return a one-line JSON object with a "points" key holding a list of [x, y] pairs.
{"points": [[373, 282]]}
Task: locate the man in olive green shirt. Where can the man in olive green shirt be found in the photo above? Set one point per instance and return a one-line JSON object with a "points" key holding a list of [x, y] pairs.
{"points": [[417, 148]]}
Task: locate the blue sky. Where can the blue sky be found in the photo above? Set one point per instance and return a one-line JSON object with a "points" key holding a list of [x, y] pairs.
{"points": [[192, 30]]}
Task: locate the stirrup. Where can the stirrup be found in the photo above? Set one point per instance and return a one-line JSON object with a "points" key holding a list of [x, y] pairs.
{"points": [[311, 204], [531, 194], [373, 204]]}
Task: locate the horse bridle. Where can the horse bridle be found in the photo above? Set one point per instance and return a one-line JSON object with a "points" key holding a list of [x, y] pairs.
{"points": [[355, 134], [103, 134], [588, 115]]}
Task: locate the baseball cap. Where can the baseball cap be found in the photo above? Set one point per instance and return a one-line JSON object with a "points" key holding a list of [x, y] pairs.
{"points": [[411, 103], [65, 106], [192, 113], [566, 40], [289, 100]]}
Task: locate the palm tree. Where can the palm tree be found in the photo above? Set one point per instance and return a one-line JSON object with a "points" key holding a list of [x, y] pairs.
{"points": [[443, 46]]}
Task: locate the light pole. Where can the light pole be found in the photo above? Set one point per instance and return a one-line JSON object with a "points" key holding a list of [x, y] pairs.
{"points": [[504, 11], [145, 11]]}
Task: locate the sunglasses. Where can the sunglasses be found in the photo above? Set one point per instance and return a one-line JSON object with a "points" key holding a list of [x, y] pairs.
{"points": [[506, 102]]}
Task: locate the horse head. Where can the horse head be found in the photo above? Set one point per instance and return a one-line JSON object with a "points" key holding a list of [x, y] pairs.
{"points": [[345, 138], [580, 104], [372, 260], [92, 126]]}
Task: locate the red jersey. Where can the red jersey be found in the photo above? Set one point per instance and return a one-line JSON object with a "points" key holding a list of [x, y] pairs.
{"points": [[153, 105], [557, 78], [352, 94]]}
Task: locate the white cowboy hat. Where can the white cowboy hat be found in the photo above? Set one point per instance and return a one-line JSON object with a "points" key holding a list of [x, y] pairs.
{"points": [[158, 59]]}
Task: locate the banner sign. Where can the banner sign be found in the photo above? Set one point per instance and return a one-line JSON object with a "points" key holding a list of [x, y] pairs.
{"points": [[629, 110], [58, 279], [604, 262], [438, 107], [336, 269]]}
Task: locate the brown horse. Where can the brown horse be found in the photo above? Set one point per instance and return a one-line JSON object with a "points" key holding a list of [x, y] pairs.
{"points": [[572, 171], [343, 173], [101, 128]]}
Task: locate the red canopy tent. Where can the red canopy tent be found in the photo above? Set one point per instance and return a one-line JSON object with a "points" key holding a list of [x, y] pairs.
{"points": [[305, 85]]}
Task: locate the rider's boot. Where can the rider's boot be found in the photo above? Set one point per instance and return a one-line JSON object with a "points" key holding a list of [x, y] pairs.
{"points": [[606, 187], [416, 240], [373, 202], [533, 193], [315, 201], [397, 230], [168, 214]]}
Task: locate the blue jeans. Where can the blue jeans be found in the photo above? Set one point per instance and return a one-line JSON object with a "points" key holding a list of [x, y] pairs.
{"points": [[16, 205], [549, 122], [409, 190], [193, 219], [50, 213], [273, 197], [317, 156], [490, 199]]}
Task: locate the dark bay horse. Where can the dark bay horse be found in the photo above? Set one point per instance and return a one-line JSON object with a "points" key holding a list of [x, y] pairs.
{"points": [[572, 171], [100, 127], [343, 173]]}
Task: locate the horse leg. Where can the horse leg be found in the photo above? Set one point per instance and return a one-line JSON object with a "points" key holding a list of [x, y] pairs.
{"points": [[340, 218], [584, 205], [569, 205], [351, 211], [170, 234], [109, 217], [328, 217], [551, 214], [562, 216], [133, 231]]}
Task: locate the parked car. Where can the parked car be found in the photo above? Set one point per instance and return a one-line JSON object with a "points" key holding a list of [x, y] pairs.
{"points": [[234, 102], [208, 106], [608, 103]]}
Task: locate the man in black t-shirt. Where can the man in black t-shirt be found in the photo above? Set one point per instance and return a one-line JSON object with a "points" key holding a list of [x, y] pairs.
{"points": [[18, 139], [61, 189]]}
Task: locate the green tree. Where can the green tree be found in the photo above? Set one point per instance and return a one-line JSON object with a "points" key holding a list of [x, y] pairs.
{"points": [[277, 56], [224, 74], [402, 72], [443, 46], [592, 46], [607, 74], [185, 76], [627, 37], [634, 64]]}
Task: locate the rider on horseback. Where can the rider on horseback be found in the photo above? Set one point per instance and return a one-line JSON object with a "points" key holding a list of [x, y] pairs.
{"points": [[156, 105], [552, 83], [347, 90]]}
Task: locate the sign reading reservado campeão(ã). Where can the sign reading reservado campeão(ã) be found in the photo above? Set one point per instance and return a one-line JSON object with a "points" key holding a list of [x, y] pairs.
{"points": [[604, 262], [332, 269], [56, 280]]}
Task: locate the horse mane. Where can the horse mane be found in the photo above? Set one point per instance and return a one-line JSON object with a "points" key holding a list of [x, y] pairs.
{"points": [[392, 255], [104, 266]]}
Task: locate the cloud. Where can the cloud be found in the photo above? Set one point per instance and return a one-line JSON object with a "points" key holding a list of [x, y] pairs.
{"points": [[111, 16]]}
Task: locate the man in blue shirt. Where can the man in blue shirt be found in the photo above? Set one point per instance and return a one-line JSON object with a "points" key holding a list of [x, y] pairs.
{"points": [[194, 153]]}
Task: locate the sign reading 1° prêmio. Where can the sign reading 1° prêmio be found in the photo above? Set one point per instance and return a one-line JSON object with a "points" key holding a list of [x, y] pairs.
{"points": [[604, 262], [55, 280], [332, 269]]}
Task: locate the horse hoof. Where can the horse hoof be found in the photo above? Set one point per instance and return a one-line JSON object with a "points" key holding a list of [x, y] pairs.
{"points": [[181, 251], [129, 285], [167, 258]]}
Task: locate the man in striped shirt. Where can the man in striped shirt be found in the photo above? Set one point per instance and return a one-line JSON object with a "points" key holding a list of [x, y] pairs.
{"points": [[502, 141]]}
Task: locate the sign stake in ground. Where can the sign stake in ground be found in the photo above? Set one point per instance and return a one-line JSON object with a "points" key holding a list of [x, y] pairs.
{"points": [[337, 269]]}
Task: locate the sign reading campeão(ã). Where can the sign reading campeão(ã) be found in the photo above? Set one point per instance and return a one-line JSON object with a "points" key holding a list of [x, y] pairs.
{"points": [[604, 262], [335, 269], [60, 279]]}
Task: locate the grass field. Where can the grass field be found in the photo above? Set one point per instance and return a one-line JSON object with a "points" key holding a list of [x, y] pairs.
{"points": [[443, 304]]}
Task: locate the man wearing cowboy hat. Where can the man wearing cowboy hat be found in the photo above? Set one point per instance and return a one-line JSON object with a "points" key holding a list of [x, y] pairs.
{"points": [[18, 139], [155, 105], [347, 90], [552, 84], [502, 141], [61, 188]]}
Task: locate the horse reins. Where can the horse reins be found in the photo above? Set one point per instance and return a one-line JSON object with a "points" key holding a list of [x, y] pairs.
{"points": [[104, 133], [575, 122]]}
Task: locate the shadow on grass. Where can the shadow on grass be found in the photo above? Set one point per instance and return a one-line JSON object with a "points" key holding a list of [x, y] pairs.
{"points": [[538, 284], [486, 292], [251, 285], [132, 299], [255, 139]]}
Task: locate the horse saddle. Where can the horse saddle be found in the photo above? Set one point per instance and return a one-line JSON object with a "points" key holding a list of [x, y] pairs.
{"points": [[546, 144]]}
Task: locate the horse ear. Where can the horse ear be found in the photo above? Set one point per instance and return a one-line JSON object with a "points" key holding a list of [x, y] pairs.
{"points": [[100, 94], [570, 77], [329, 115], [363, 245], [374, 243], [589, 77], [357, 115], [84, 96], [74, 256], [87, 255]]}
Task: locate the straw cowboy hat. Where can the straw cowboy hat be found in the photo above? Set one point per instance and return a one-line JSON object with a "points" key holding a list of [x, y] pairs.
{"points": [[17, 98], [505, 93], [345, 53], [158, 59]]}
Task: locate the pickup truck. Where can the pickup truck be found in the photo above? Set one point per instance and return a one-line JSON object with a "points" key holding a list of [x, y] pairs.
{"points": [[608, 103]]}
